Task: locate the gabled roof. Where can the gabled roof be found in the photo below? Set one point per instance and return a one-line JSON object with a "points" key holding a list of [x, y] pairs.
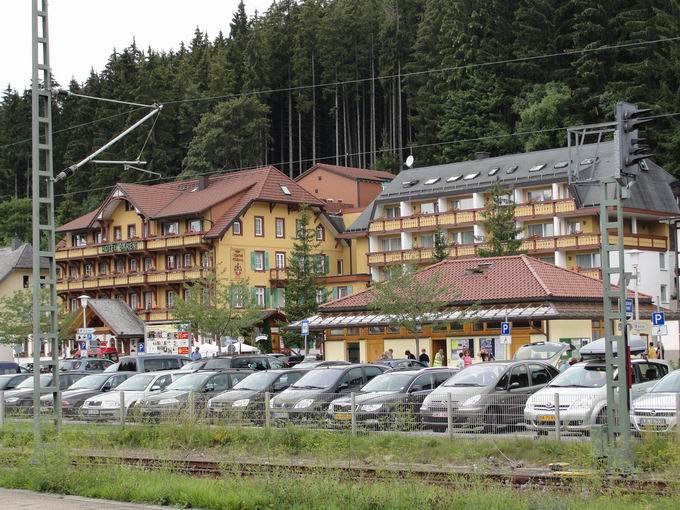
{"points": [[511, 279], [118, 317], [357, 174], [183, 198], [19, 258]]}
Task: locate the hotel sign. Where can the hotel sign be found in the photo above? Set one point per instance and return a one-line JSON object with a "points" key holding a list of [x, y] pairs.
{"points": [[119, 247]]}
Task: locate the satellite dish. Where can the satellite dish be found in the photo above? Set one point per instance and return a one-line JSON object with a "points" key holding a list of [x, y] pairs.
{"points": [[410, 160]]}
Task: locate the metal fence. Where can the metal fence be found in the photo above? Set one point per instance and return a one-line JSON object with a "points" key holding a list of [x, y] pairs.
{"points": [[559, 415]]}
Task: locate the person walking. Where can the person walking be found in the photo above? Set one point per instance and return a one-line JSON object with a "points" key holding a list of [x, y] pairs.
{"points": [[467, 359], [196, 355], [460, 364], [439, 358], [409, 355], [424, 358], [652, 353]]}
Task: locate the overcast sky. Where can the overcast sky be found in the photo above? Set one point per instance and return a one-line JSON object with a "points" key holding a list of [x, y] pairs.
{"points": [[83, 33]]}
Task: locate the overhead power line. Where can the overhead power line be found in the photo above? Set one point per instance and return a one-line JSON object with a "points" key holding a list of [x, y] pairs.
{"points": [[332, 157]]}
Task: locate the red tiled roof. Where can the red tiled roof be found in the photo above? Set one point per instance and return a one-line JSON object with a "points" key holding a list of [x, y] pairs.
{"points": [[351, 173], [509, 279], [178, 198]]}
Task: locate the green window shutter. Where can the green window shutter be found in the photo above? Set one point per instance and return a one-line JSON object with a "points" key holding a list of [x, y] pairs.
{"points": [[327, 264], [266, 261], [349, 290], [335, 293], [252, 260], [253, 293], [266, 298]]}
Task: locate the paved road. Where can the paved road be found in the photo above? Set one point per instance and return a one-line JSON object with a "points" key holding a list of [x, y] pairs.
{"points": [[25, 500]]}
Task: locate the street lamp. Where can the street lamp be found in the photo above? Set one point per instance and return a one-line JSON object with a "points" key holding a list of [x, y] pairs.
{"points": [[635, 262], [83, 302]]}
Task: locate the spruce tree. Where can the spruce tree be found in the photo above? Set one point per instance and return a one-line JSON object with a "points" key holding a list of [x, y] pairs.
{"points": [[500, 225], [441, 247]]}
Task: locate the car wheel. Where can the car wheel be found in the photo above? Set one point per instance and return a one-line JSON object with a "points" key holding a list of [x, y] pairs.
{"points": [[601, 417], [492, 420]]}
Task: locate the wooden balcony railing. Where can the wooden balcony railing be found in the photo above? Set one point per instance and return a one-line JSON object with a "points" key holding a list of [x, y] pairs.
{"points": [[593, 272], [131, 246], [468, 216], [532, 246], [131, 279]]}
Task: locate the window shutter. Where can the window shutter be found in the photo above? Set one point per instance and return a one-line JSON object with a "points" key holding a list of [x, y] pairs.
{"points": [[266, 298], [266, 261], [349, 290], [252, 260], [327, 261], [253, 293], [335, 293]]}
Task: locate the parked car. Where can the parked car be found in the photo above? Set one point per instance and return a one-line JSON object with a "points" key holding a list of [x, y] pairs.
{"points": [[309, 364], [149, 363], [656, 410], [247, 397], [583, 395], [288, 360], [202, 385], [11, 381], [85, 364], [106, 406], [20, 399], [401, 364], [73, 398], [9, 367], [486, 396], [390, 399], [550, 352], [251, 361], [310, 395]]}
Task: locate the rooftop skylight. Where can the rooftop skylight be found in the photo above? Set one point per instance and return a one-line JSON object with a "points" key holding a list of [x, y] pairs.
{"points": [[469, 177], [408, 184], [433, 180], [512, 169], [285, 190], [537, 168], [562, 164], [494, 171], [454, 178]]}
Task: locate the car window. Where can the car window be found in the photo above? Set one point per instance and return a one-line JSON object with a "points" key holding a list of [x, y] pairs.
{"points": [[163, 381], [440, 377], [219, 382], [286, 380], [650, 372], [127, 365], [353, 377], [238, 377], [116, 380], [275, 362], [520, 375], [422, 382], [259, 364], [539, 374], [503, 382], [371, 372]]}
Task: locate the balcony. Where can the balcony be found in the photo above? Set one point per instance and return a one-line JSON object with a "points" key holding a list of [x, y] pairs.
{"points": [[593, 272], [131, 279], [194, 239], [467, 217], [279, 276], [531, 246]]}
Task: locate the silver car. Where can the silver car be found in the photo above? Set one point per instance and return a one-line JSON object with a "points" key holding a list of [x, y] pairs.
{"points": [[657, 409]]}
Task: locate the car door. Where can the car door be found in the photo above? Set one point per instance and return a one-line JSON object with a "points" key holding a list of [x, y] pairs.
{"points": [[420, 388], [645, 375], [237, 377], [371, 372], [285, 380], [215, 385], [519, 389], [540, 376], [351, 381], [160, 383]]}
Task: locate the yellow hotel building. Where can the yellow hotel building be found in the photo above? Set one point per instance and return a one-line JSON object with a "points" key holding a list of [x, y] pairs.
{"points": [[143, 243]]}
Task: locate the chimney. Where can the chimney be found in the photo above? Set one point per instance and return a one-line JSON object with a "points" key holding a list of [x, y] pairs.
{"points": [[16, 242], [203, 182], [482, 155]]}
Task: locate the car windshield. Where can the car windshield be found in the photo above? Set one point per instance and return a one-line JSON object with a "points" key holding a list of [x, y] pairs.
{"points": [[5, 380], [476, 375], [136, 382], [542, 351], [388, 382], [45, 379], [194, 365], [258, 381], [70, 364], [581, 376], [669, 384], [217, 364], [318, 379], [91, 382], [189, 382]]}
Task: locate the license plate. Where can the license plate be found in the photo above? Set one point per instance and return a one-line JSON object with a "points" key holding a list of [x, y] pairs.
{"points": [[280, 415], [439, 415], [91, 411], [343, 416], [652, 421], [547, 418]]}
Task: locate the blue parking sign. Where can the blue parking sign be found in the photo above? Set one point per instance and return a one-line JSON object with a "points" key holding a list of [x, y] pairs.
{"points": [[505, 328], [658, 318], [629, 307], [304, 327]]}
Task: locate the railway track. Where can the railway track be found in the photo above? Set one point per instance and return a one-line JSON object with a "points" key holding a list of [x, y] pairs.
{"points": [[521, 478]]}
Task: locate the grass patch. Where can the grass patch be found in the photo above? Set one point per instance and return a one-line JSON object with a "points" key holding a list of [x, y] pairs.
{"points": [[54, 472]]}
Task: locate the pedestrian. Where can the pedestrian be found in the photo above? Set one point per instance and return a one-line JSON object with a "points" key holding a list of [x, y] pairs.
{"points": [[424, 358], [439, 358], [652, 354], [484, 354], [467, 359], [196, 355], [460, 364], [390, 353], [409, 355]]}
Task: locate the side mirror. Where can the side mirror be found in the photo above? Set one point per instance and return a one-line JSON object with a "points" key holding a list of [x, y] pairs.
{"points": [[415, 388], [208, 389], [155, 387], [107, 387], [343, 386], [513, 386], [280, 387]]}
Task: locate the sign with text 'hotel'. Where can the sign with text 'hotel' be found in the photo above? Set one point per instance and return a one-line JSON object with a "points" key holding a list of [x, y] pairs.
{"points": [[119, 247]]}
